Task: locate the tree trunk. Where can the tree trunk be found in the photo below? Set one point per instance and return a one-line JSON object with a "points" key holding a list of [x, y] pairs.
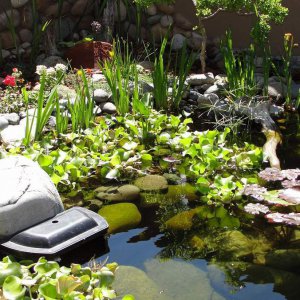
{"points": [[109, 20], [203, 45]]}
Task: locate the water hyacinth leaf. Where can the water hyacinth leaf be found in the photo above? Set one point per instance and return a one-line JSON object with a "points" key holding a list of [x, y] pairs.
{"points": [[45, 160], [13, 289], [146, 160], [115, 160], [113, 174], [128, 297], [106, 278], [130, 145], [67, 284], [85, 283], [10, 268], [256, 208], [288, 219], [291, 195], [56, 178], [48, 291], [203, 185], [45, 267], [108, 293]]}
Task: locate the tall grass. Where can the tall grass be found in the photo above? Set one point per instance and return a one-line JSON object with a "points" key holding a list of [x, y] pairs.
{"points": [[239, 70], [288, 44]]}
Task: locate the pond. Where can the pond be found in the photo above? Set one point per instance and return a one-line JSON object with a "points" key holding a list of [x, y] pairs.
{"points": [[172, 264]]}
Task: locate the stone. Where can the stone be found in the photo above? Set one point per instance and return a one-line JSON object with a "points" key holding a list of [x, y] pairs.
{"points": [[182, 192], [3, 123], [97, 110], [146, 65], [66, 28], [152, 199], [98, 77], [53, 10], [100, 96], [195, 41], [180, 280], [152, 183], [12, 118], [5, 53], [7, 41], [131, 280], [212, 89], [194, 95], [28, 196], [93, 204], [26, 17], [13, 14], [18, 3], [124, 193], [151, 10], [154, 19], [108, 107], [85, 25], [172, 178], [178, 42], [182, 22], [166, 21], [199, 79], [120, 12], [12, 135], [285, 259], [133, 32], [181, 31], [158, 32], [52, 122], [168, 9], [121, 216], [277, 90], [26, 45], [53, 60]]}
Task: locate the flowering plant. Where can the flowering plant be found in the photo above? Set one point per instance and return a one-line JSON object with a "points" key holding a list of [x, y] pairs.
{"points": [[9, 80]]}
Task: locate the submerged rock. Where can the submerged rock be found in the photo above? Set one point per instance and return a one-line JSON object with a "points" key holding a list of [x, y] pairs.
{"points": [[125, 193], [121, 216], [286, 259], [152, 183]]}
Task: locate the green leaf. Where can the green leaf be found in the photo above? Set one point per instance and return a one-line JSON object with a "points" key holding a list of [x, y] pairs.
{"points": [[13, 289], [10, 268], [45, 267], [67, 284], [48, 291], [45, 160], [128, 297], [203, 185]]}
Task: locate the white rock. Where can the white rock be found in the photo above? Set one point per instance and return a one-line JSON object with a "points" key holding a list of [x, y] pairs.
{"points": [[97, 77], [12, 135], [108, 107], [3, 123], [12, 118], [18, 3], [100, 96], [28, 196], [199, 79], [178, 42]]}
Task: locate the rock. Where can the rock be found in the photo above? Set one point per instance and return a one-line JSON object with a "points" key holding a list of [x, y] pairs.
{"points": [[120, 12], [154, 19], [121, 216], [197, 243], [53, 10], [28, 195], [152, 199], [212, 89], [7, 41], [195, 41], [3, 123], [180, 280], [13, 14], [5, 53], [13, 134], [25, 35], [26, 17], [181, 31], [199, 79], [194, 95], [52, 122], [146, 65], [182, 22], [97, 77], [93, 204], [172, 178], [168, 9], [158, 32], [26, 45], [277, 90], [285, 259], [182, 192], [276, 110], [108, 107], [100, 96], [178, 42], [85, 25], [131, 280], [151, 10], [166, 21], [18, 3], [182, 221], [152, 183], [12, 118], [97, 110], [133, 32], [53, 60], [125, 193]]}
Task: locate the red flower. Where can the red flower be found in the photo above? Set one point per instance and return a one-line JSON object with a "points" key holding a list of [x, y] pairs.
{"points": [[15, 70], [9, 80]]}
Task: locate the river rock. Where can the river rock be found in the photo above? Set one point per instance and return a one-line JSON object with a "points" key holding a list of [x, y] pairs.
{"points": [[11, 13], [81, 6], [151, 10], [18, 3], [3, 123], [25, 35], [120, 11], [64, 92], [100, 96], [195, 41], [52, 61], [5, 53], [178, 42], [108, 108], [182, 22], [285, 259], [121, 216], [200, 79], [154, 19], [277, 90], [152, 183], [93, 204], [181, 31], [124, 193], [131, 280], [180, 280], [215, 89], [158, 32], [166, 21], [13, 134], [26, 17], [28, 195], [7, 41], [168, 9], [97, 77], [12, 118]]}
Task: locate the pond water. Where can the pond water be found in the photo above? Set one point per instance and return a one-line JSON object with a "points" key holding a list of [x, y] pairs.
{"points": [[257, 261]]}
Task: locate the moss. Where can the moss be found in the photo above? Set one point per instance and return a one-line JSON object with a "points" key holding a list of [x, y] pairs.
{"points": [[121, 216], [152, 183]]}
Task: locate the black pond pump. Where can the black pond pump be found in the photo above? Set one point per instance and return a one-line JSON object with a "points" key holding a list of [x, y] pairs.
{"points": [[58, 235]]}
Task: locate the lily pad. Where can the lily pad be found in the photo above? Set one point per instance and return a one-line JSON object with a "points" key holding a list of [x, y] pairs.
{"points": [[256, 208], [273, 174], [255, 191], [289, 219], [290, 183], [291, 195]]}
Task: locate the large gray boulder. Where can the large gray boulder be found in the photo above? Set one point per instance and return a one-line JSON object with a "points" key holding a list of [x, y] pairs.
{"points": [[28, 196]]}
